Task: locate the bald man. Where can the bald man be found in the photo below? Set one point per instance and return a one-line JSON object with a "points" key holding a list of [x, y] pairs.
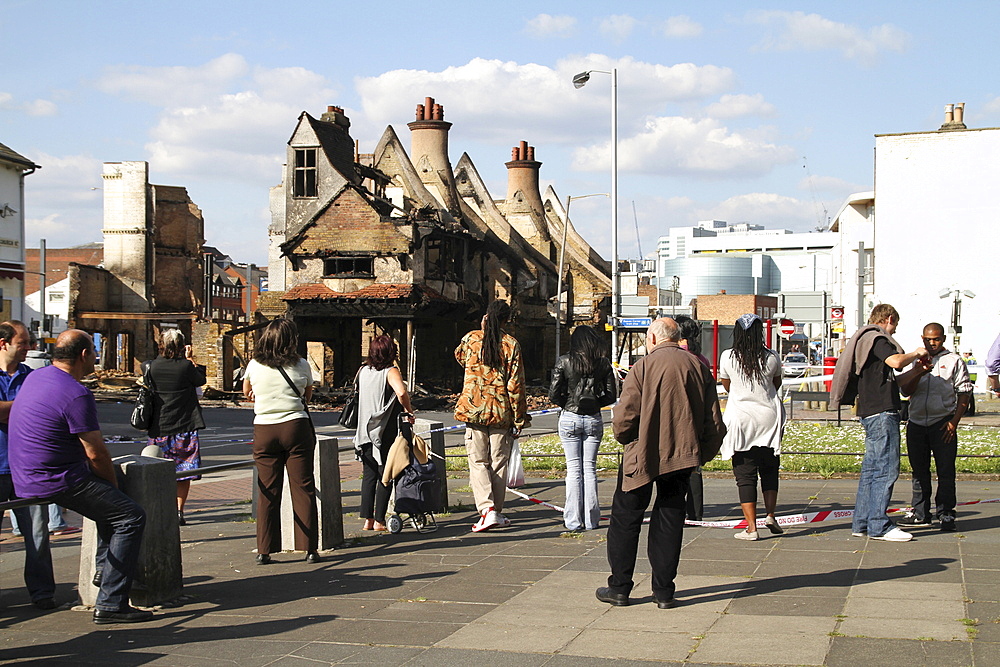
{"points": [[669, 421], [57, 452]]}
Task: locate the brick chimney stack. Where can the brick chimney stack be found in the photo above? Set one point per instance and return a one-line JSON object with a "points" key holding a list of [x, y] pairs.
{"points": [[336, 115], [522, 177], [429, 151], [954, 117]]}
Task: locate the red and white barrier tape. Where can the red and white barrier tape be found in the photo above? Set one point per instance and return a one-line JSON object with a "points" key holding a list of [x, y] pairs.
{"points": [[786, 520]]}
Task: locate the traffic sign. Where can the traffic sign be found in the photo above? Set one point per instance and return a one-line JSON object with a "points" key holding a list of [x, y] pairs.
{"points": [[635, 322], [786, 328], [836, 312]]}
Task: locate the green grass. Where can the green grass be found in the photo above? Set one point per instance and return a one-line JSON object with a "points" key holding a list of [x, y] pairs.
{"points": [[799, 437]]}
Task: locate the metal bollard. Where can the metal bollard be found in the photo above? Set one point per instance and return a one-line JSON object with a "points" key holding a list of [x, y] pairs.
{"points": [[158, 577]]}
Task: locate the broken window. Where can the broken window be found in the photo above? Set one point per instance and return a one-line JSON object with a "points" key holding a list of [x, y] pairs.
{"points": [[349, 267], [444, 259], [305, 173]]}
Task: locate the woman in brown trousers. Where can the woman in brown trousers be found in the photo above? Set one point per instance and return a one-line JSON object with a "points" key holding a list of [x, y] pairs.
{"points": [[283, 437]]}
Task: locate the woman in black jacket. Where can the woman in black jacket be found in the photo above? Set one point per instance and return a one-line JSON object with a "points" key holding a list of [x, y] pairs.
{"points": [[582, 383], [176, 412]]}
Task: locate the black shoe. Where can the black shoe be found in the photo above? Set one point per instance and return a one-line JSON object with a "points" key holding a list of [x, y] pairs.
{"points": [[263, 559], [45, 604], [98, 575], [313, 557], [665, 603], [127, 615], [604, 594], [911, 521], [948, 524], [180, 519]]}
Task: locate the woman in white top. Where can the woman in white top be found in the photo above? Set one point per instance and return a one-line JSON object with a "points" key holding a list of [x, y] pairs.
{"points": [[381, 394], [283, 438], [755, 420]]}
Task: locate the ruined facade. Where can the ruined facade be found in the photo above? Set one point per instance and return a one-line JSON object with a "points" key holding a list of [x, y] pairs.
{"points": [[403, 243], [151, 273]]}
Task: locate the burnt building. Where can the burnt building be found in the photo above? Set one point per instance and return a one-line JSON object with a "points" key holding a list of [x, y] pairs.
{"points": [[401, 242]]}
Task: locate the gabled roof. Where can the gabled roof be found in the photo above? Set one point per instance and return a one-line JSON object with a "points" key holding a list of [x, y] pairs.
{"points": [[337, 145], [380, 206], [374, 292], [9, 155]]}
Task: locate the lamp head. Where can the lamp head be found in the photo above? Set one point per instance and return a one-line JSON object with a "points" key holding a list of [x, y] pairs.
{"points": [[944, 294], [581, 79]]}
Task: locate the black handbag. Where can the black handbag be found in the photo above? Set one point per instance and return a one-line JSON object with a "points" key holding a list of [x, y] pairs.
{"points": [[349, 415], [142, 412]]}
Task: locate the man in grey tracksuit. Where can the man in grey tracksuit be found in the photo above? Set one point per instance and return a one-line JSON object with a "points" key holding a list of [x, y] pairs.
{"points": [[939, 395]]}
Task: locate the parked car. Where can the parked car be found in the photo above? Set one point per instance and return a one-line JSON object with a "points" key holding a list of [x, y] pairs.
{"points": [[795, 365]]}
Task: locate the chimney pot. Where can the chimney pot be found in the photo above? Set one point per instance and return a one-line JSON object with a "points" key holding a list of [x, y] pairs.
{"points": [[330, 108], [531, 153], [959, 112], [428, 108], [949, 113]]}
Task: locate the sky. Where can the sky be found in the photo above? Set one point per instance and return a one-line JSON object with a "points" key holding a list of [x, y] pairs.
{"points": [[760, 113]]}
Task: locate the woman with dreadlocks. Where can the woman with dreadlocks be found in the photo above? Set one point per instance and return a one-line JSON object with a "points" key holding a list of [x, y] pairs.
{"points": [[494, 408], [755, 420]]}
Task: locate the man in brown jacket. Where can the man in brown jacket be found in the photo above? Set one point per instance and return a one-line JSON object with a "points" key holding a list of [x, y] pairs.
{"points": [[669, 420]]}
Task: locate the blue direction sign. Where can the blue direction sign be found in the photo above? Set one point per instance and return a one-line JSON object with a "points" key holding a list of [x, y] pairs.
{"points": [[635, 322]]}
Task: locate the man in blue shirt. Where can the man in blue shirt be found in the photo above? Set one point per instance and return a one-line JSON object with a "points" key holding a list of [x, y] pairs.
{"points": [[33, 520]]}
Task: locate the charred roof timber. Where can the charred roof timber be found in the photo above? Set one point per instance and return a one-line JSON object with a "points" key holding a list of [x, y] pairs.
{"points": [[954, 115]]}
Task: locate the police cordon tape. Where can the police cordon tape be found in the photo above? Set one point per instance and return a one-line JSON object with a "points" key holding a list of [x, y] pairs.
{"points": [[787, 520]]}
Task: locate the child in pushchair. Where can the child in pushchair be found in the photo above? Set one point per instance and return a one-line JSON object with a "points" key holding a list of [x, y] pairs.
{"points": [[416, 487]]}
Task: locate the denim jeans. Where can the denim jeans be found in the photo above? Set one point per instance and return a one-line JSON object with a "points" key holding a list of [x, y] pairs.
{"points": [[38, 577], [56, 520], [879, 472], [120, 523], [581, 438]]}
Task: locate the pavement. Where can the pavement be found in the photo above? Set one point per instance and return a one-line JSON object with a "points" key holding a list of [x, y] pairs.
{"points": [[524, 595]]}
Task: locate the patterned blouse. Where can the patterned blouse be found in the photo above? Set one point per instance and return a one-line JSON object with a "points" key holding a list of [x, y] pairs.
{"points": [[490, 396]]}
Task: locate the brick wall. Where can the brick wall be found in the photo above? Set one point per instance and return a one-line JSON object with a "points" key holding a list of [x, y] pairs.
{"points": [[726, 308]]}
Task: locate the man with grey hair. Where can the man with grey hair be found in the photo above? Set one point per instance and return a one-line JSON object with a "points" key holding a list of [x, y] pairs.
{"points": [[669, 420]]}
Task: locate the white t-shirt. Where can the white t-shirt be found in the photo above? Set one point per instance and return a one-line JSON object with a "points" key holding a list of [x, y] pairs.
{"points": [[754, 415], [274, 401]]}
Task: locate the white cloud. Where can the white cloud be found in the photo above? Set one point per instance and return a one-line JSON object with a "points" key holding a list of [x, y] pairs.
{"points": [[37, 107], [532, 100], [223, 119], [734, 106], [798, 31], [683, 146], [546, 25], [618, 27], [175, 86], [63, 200], [681, 27], [991, 108], [763, 208]]}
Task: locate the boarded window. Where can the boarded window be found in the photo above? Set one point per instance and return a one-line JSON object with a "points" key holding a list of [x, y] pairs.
{"points": [[349, 267]]}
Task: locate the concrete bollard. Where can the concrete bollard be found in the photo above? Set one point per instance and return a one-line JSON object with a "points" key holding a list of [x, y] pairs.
{"points": [[326, 470], [436, 440], [158, 578]]}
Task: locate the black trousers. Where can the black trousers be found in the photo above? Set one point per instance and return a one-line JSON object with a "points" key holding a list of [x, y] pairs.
{"points": [[666, 527], [754, 462], [374, 494], [696, 497], [922, 442]]}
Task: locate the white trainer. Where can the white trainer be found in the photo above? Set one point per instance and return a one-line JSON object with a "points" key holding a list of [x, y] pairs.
{"points": [[486, 521], [894, 535]]}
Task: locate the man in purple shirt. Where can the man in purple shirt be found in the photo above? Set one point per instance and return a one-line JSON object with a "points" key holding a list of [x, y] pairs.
{"points": [[33, 520], [57, 452], [993, 367]]}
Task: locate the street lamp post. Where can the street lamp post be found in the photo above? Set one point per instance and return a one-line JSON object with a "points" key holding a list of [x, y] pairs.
{"points": [[956, 311], [562, 264], [579, 81]]}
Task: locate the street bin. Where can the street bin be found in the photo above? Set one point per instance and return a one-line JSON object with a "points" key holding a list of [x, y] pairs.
{"points": [[829, 364]]}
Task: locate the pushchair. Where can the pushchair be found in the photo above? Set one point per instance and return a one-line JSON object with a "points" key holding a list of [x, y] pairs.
{"points": [[416, 487]]}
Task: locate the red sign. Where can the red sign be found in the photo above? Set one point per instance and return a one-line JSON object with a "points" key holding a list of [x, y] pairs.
{"points": [[836, 312], [786, 327]]}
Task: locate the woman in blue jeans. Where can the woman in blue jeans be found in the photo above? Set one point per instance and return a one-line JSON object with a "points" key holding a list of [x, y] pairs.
{"points": [[582, 383]]}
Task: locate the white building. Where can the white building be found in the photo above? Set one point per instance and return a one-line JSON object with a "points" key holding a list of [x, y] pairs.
{"points": [[56, 306], [745, 259], [855, 225], [13, 169], [937, 205]]}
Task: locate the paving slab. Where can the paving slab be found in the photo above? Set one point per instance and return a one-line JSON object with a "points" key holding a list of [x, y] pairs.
{"points": [[854, 651], [752, 648], [632, 645], [504, 637], [904, 628]]}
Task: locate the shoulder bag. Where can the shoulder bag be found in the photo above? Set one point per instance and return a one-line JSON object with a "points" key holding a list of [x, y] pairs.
{"points": [[349, 415], [142, 412]]}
